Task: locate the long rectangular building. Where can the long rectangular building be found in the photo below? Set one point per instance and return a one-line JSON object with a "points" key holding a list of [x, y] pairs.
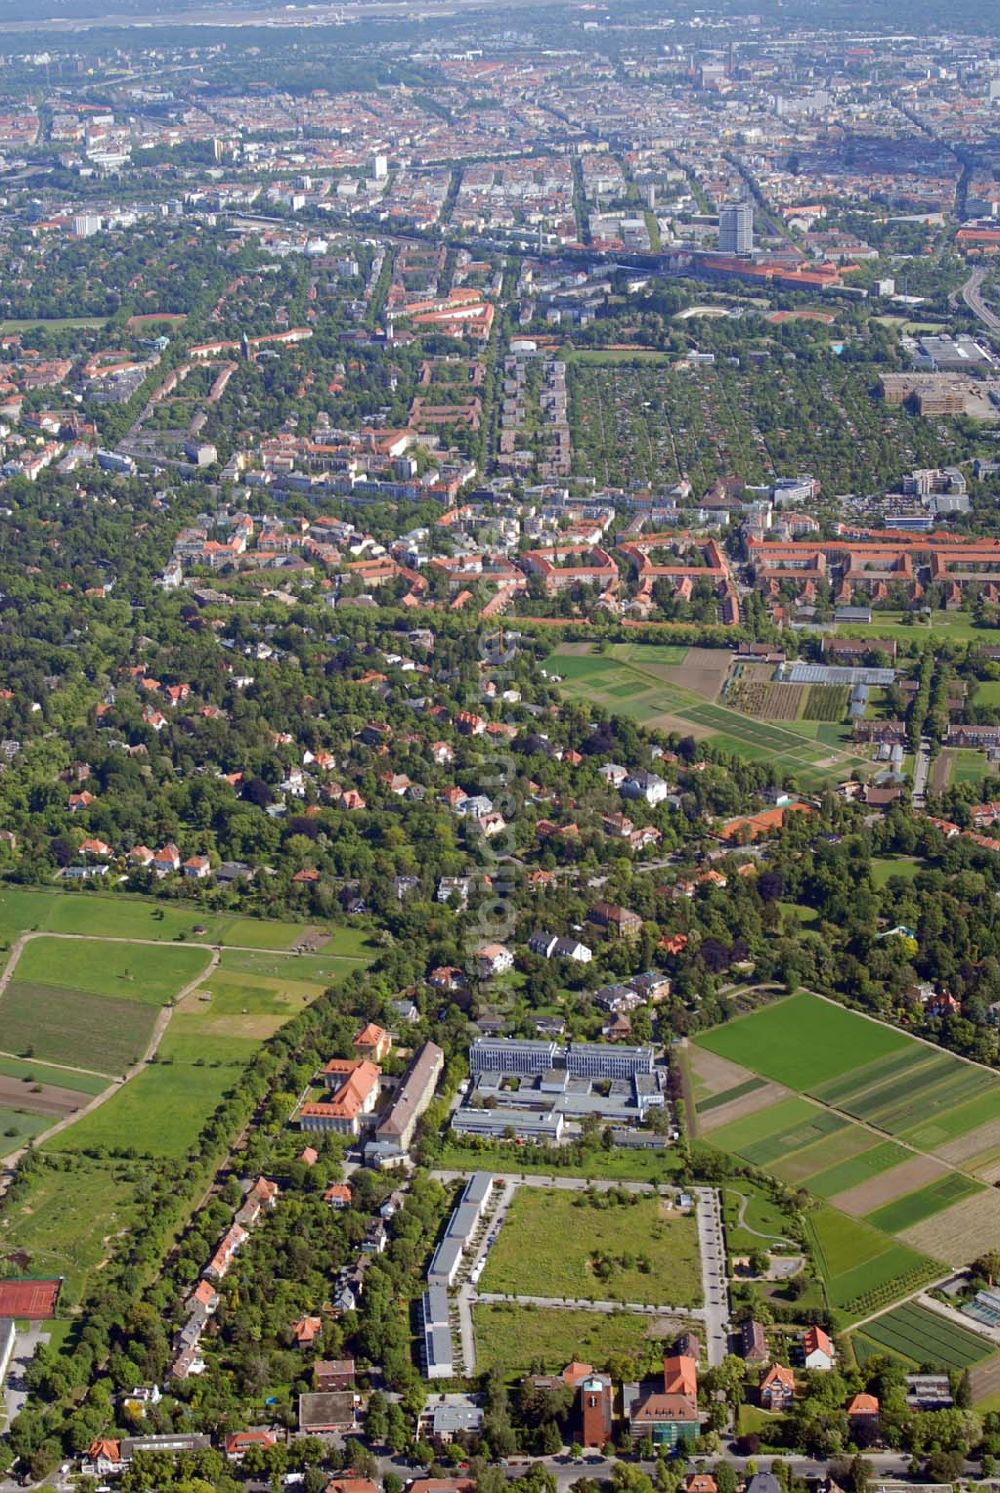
{"points": [[394, 1134]]}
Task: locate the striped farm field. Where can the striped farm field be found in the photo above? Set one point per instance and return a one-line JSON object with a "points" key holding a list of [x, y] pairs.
{"points": [[905, 1212], [771, 1132], [919, 1335], [102, 1033], [879, 1157], [803, 1041], [823, 1155], [856, 1066], [863, 1268]]}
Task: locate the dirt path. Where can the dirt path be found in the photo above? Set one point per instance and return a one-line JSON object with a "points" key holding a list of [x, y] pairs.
{"points": [[152, 1046]]}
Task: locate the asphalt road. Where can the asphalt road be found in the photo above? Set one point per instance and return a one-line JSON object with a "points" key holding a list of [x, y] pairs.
{"points": [[715, 1284], [971, 295]]}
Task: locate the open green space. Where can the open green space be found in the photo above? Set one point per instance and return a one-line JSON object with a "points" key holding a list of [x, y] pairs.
{"points": [[922, 1338], [966, 766], [606, 357], [126, 971], [596, 1247], [516, 1337], [802, 1040], [884, 867], [955, 627], [987, 692], [616, 1165], [68, 1222], [764, 1223], [904, 1212], [101, 1033], [11, 325]]}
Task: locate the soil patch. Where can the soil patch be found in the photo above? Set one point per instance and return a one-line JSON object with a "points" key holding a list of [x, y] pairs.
{"points": [[40, 1099]]}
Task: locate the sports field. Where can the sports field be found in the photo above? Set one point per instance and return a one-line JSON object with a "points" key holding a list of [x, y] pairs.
{"points": [[632, 679], [600, 1248]]}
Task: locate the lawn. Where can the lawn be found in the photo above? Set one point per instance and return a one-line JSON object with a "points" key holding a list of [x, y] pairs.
{"points": [[952, 627], [595, 1247], [100, 1033], [761, 1216], [70, 1218], [10, 326], [904, 1212], [883, 867], [107, 915], [802, 1040], [987, 692], [924, 1338], [126, 971], [517, 1337]]}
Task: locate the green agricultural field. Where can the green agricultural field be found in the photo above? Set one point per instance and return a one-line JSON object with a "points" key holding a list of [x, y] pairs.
{"points": [[516, 1337], [802, 1041], [823, 1155], [162, 1111], [31, 1072], [571, 1245], [878, 1158], [118, 915], [127, 971], [70, 1217], [923, 1337], [101, 1033], [631, 682], [786, 1116], [929, 1133], [862, 1267], [904, 1212], [19, 1125]]}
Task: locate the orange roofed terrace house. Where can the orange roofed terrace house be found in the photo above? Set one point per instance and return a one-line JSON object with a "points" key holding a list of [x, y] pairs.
{"points": [[875, 564]]}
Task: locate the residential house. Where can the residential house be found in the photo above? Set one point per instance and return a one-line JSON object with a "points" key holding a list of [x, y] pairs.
{"points": [[817, 1350], [753, 1342], [373, 1042], [777, 1388], [493, 959], [616, 922]]}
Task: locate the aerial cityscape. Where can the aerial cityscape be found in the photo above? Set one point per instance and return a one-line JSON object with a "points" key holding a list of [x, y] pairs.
{"points": [[499, 746]]}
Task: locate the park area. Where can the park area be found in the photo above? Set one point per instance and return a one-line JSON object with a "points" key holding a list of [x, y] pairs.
{"points": [[607, 1246], [897, 1140], [674, 689]]}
